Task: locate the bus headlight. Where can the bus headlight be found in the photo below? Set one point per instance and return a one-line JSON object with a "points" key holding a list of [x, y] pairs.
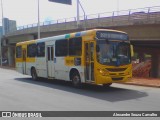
{"points": [[127, 73], [103, 72]]}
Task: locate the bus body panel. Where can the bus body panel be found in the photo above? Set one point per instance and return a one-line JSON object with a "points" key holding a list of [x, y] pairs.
{"points": [[60, 67], [112, 76], [19, 67], [41, 67], [61, 70]]}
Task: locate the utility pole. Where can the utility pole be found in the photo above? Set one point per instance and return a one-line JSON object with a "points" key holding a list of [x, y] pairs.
{"points": [[84, 15], [78, 23], [39, 36], [117, 7], [78, 20]]}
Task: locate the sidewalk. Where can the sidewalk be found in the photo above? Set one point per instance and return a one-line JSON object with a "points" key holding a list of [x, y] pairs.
{"points": [[149, 82]]}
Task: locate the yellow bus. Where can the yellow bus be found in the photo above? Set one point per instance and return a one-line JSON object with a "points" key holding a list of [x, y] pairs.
{"points": [[97, 56]]}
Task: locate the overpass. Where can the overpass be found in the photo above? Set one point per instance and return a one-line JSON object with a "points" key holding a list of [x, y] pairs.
{"points": [[142, 25]]}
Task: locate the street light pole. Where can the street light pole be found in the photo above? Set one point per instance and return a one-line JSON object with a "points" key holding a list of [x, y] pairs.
{"points": [[78, 13], [78, 21], [117, 7], [38, 22], [84, 15], [3, 32]]}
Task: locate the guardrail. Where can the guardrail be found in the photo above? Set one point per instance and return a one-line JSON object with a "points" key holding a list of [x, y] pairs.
{"points": [[132, 14]]}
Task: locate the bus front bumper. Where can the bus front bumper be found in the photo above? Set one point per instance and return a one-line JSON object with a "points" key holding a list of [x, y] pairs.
{"points": [[109, 79]]}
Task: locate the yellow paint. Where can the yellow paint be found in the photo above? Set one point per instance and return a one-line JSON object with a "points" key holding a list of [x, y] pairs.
{"points": [[72, 35], [87, 38], [19, 60], [30, 60], [103, 76], [69, 61]]}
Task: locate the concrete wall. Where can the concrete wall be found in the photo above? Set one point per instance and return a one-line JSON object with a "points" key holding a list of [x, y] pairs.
{"points": [[113, 21], [21, 38], [11, 56]]}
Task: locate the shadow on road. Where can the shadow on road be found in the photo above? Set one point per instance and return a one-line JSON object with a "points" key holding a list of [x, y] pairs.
{"points": [[111, 94]]}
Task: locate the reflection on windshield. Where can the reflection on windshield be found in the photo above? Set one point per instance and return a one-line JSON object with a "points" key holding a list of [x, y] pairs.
{"points": [[113, 53]]}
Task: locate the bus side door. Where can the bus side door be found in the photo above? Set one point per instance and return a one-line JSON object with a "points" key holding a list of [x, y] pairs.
{"points": [[89, 61], [24, 60], [50, 61]]}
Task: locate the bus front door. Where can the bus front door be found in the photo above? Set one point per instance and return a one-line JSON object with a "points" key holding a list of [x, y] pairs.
{"points": [[89, 61], [50, 61]]}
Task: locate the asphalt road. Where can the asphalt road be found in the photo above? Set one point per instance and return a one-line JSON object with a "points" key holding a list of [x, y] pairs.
{"points": [[20, 93]]}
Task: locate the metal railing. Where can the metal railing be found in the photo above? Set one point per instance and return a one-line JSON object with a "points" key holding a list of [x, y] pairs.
{"points": [[127, 15]]}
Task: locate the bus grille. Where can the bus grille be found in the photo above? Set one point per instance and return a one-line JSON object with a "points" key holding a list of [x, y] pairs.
{"points": [[120, 78], [116, 69]]}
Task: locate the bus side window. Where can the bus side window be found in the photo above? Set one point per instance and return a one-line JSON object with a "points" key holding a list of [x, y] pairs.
{"points": [[61, 48], [41, 49], [75, 46], [31, 50], [19, 52]]}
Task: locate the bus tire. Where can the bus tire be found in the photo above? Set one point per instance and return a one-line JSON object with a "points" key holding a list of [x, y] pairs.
{"points": [[107, 85], [76, 80], [34, 74]]}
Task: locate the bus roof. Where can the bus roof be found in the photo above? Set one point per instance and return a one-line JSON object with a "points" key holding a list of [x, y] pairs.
{"points": [[67, 36], [76, 34], [26, 42]]}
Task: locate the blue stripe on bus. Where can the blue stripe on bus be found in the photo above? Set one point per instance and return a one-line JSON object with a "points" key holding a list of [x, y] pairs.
{"points": [[78, 34]]}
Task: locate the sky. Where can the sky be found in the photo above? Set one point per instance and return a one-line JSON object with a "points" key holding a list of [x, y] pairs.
{"points": [[26, 11]]}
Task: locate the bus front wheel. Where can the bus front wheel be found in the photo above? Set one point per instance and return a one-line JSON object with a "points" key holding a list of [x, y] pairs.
{"points": [[76, 80], [34, 74]]}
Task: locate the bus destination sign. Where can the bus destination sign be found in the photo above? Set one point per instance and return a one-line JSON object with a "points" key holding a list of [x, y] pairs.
{"points": [[111, 35]]}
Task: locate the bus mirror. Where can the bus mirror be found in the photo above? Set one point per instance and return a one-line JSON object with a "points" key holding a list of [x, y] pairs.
{"points": [[132, 52], [97, 48]]}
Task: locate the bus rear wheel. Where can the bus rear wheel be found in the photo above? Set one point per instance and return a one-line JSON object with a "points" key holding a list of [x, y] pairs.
{"points": [[76, 80], [34, 74]]}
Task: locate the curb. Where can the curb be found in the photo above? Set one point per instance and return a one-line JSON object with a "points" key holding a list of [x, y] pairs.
{"points": [[6, 67], [144, 85]]}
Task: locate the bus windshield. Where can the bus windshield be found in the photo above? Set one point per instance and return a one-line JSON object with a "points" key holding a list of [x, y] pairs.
{"points": [[113, 52]]}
